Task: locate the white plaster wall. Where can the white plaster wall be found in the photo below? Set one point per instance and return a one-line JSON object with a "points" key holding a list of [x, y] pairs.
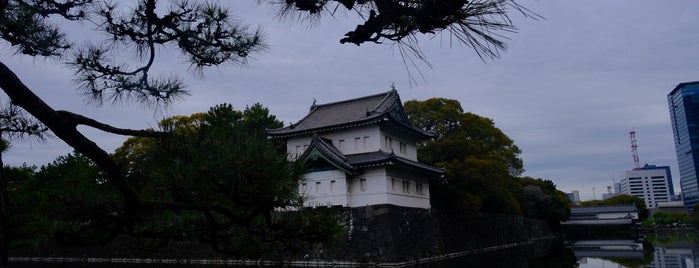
{"points": [[324, 188], [383, 189], [374, 190], [390, 143], [415, 194], [348, 141], [616, 215]]}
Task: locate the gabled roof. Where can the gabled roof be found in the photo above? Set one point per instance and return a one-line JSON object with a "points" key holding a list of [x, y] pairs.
{"points": [[323, 148], [381, 158], [373, 109]]}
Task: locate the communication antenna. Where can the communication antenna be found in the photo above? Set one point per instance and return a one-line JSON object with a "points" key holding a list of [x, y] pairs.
{"points": [[634, 149]]}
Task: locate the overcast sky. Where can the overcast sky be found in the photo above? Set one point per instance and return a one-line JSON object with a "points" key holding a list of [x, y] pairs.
{"points": [[567, 91]]}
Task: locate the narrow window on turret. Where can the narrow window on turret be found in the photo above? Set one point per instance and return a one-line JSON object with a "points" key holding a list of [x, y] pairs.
{"points": [[366, 141], [332, 186], [393, 184], [362, 185], [341, 144], [317, 186], [356, 143]]}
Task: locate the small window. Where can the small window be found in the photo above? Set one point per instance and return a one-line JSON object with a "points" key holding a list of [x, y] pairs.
{"points": [[341, 144], [298, 150], [304, 187], [332, 186], [393, 184], [305, 147], [366, 141], [317, 186], [356, 142], [362, 185]]}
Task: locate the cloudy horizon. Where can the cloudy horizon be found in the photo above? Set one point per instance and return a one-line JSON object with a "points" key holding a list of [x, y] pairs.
{"points": [[568, 90]]}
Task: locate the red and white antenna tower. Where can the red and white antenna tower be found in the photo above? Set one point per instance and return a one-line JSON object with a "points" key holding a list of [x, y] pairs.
{"points": [[634, 149]]}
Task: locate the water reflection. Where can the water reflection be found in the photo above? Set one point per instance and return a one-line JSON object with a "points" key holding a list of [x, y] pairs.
{"points": [[653, 251], [660, 252]]}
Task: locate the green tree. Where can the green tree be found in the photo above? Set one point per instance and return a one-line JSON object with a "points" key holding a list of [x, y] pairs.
{"points": [[622, 199], [206, 35], [66, 202], [216, 178], [540, 199], [14, 124], [479, 158]]}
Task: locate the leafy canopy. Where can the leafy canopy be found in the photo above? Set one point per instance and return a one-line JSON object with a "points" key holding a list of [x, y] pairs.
{"points": [[479, 158]]}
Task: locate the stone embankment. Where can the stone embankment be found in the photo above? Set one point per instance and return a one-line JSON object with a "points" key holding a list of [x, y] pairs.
{"points": [[382, 235]]}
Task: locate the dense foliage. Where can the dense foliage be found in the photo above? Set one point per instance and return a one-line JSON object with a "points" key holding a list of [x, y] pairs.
{"points": [[215, 179], [664, 219], [65, 202], [482, 165], [622, 199], [117, 65]]}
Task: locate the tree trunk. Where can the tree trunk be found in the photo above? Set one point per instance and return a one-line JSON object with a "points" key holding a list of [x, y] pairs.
{"points": [[4, 215], [64, 126]]}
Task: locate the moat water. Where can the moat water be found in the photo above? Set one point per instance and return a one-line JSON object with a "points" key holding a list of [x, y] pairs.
{"points": [[667, 251]]}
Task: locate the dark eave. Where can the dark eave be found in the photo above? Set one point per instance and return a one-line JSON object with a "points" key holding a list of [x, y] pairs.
{"points": [[381, 158], [323, 148], [352, 113]]}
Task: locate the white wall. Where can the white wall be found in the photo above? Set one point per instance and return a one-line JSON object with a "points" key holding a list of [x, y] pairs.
{"points": [[617, 215], [357, 140], [324, 188], [348, 141], [380, 188], [401, 147], [649, 184]]}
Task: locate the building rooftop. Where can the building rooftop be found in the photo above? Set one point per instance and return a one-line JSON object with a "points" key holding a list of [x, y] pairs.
{"points": [[373, 109], [603, 209], [323, 148]]}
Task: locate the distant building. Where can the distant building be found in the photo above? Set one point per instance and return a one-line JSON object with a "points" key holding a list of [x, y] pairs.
{"points": [[360, 152], [669, 207], [683, 102], [574, 197], [609, 193], [614, 214], [651, 183]]}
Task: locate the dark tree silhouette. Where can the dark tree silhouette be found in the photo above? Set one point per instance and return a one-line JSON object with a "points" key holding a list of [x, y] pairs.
{"points": [[207, 35]]}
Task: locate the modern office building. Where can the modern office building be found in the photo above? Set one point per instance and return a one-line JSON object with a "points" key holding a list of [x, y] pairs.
{"points": [[651, 183], [683, 102], [574, 197]]}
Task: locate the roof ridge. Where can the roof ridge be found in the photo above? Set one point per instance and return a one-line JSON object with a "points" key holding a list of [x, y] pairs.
{"points": [[354, 99]]}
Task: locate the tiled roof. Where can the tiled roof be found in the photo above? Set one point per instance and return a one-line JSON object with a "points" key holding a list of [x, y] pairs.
{"points": [[350, 113], [323, 148], [326, 150], [603, 209], [379, 158]]}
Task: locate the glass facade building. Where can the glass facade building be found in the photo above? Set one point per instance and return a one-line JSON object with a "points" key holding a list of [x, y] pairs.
{"points": [[683, 102]]}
